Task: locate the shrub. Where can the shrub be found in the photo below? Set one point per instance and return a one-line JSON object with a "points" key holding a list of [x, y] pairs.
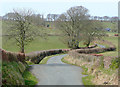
{"points": [[115, 63]]}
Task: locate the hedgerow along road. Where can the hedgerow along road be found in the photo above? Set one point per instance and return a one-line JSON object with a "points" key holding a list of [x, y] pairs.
{"points": [[55, 72]]}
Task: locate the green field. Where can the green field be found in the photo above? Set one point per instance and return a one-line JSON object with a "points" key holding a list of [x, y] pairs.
{"points": [[52, 42], [38, 44], [114, 40], [110, 25]]}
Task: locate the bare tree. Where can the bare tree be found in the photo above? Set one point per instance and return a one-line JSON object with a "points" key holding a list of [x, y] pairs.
{"points": [[72, 23], [22, 29], [77, 25], [92, 32]]}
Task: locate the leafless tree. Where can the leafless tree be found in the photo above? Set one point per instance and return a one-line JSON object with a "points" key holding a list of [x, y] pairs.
{"points": [[22, 29], [95, 30], [72, 23], [77, 26]]}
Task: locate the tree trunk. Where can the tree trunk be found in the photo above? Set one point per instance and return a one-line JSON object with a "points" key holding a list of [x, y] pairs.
{"points": [[22, 50], [76, 46], [88, 43], [73, 44], [22, 47], [23, 39]]}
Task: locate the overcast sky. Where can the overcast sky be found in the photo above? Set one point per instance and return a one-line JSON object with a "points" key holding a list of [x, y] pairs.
{"points": [[96, 7]]}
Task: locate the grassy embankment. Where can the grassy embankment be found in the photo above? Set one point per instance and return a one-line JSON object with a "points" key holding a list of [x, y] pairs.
{"points": [[86, 80], [29, 78], [94, 71], [14, 73], [108, 72]]}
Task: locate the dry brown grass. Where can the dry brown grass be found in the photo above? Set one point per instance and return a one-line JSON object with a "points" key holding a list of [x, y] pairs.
{"points": [[101, 78]]}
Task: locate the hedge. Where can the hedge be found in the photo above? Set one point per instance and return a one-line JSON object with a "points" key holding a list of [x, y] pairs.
{"points": [[37, 56], [12, 56], [13, 66], [88, 52]]}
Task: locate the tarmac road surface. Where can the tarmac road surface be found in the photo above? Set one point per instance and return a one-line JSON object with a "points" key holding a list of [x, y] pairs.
{"points": [[55, 72]]}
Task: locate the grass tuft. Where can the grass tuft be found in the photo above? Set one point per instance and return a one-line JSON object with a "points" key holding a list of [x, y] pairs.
{"points": [[29, 78]]}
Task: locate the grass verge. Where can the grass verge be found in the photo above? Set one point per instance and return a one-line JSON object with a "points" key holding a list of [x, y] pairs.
{"points": [[86, 80], [44, 61], [29, 78]]}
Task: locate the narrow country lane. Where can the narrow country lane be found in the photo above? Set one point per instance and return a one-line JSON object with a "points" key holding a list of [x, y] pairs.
{"points": [[55, 72]]}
